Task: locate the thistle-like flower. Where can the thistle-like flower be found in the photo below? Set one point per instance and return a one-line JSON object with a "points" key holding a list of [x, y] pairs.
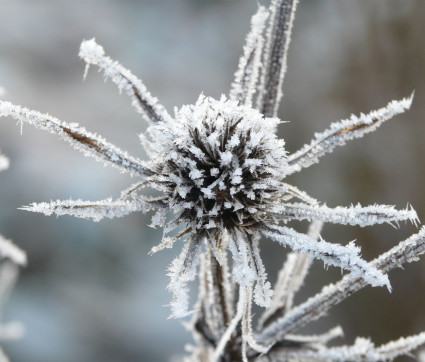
{"points": [[220, 172]]}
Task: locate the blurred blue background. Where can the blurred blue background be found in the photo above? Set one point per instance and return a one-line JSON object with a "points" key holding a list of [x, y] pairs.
{"points": [[90, 291]]}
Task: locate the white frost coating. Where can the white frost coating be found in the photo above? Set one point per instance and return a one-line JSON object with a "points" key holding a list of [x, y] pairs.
{"points": [[218, 307], [323, 338], [263, 292], [244, 85], [354, 215], [401, 346], [96, 210], [362, 350], [167, 242], [183, 270], [346, 257], [13, 252], [4, 162], [278, 38], [141, 99], [290, 279], [202, 157], [220, 167], [330, 295], [291, 276], [340, 132], [226, 158], [243, 274], [247, 334], [79, 138], [240, 309]]}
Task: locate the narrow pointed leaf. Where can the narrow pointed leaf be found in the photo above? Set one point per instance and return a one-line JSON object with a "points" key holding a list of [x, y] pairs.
{"points": [[142, 100], [353, 215], [341, 132], [275, 56], [182, 271], [79, 138], [346, 257], [332, 294], [246, 76], [96, 210]]}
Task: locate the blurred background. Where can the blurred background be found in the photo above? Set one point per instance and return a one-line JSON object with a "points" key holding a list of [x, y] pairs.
{"points": [[90, 291]]}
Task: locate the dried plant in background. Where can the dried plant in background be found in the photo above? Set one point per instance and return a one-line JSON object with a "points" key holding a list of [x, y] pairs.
{"points": [[219, 171], [12, 257]]}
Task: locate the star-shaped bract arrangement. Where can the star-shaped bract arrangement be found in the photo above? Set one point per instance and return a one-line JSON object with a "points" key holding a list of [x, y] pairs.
{"points": [[220, 172]]}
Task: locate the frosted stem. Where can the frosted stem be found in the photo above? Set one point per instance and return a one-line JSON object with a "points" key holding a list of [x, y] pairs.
{"points": [[247, 334], [316, 306], [220, 300], [225, 338], [323, 338], [202, 322], [293, 191], [275, 55], [290, 278]]}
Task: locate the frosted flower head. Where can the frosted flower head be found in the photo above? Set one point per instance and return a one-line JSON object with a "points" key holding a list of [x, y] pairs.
{"points": [[220, 168], [221, 163]]}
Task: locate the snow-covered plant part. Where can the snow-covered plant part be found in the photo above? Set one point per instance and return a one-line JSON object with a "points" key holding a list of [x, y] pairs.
{"points": [[11, 259], [220, 171]]}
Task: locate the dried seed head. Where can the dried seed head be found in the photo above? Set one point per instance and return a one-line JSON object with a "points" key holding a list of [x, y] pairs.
{"points": [[221, 163]]}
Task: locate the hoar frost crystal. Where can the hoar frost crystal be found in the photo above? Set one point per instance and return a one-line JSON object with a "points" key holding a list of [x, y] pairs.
{"points": [[220, 170]]}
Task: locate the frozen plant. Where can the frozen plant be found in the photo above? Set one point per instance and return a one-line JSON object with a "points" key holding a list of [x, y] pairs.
{"points": [[219, 171], [12, 257]]}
